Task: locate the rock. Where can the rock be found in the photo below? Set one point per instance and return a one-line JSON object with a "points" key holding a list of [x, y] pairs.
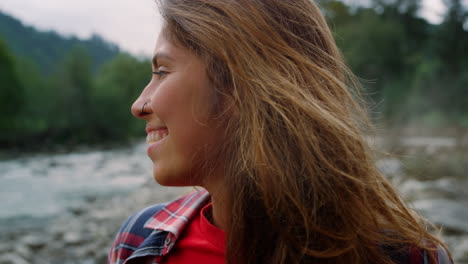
{"points": [[101, 256], [460, 251], [77, 210], [33, 242], [73, 238], [53, 163], [450, 214], [88, 261], [100, 215], [12, 259], [4, 248], [90, 198], [85, 250], [23, 251], [458, 245]]}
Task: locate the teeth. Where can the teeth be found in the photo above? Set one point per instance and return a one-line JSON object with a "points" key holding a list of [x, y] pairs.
{"points": [[156, 136]]}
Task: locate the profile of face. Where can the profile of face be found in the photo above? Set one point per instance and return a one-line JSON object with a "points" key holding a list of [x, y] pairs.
{"points": [[177, 109]]}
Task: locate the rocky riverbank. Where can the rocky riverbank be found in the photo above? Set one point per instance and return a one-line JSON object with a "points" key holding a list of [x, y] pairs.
{"points": [[432, 176], [83, 235], [444, 202]]}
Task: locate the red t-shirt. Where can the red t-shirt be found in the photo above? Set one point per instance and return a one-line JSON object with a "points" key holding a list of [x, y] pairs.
{"points": [[201, 242]]}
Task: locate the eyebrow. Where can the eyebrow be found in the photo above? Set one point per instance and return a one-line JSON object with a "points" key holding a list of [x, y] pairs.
{"points": [[160, 55]]}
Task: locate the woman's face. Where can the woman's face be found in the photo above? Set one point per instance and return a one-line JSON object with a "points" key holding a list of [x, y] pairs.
{"points": [[180, 132]]}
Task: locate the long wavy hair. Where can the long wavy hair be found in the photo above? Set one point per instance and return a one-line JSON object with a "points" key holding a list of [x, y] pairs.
{"points": [[301, 180]]}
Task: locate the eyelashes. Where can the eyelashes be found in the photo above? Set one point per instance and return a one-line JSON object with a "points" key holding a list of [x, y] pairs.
{"points": [[160, 74]]}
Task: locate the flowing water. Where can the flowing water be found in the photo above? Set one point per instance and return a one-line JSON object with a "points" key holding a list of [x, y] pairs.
{"points": [[38, 187]]}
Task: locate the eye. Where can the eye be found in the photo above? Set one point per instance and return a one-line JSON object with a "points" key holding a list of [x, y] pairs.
{"points": [[160, 73]]}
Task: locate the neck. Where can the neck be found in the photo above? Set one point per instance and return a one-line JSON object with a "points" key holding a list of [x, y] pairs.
{"points": [[219, 215], [218, 201]]}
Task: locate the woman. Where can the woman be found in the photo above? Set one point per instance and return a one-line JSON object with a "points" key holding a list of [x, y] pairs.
{"points": [[251, 100]]}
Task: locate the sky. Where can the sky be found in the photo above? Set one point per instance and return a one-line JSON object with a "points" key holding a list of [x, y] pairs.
{"points": [[131, 24]]}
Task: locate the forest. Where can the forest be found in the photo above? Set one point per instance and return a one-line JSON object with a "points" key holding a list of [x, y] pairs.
{"points": [[66, 91]]}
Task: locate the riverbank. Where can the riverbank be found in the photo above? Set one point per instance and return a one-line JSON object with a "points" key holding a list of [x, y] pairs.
{"points": [[431, 174], [28, 149], [84, 234]]}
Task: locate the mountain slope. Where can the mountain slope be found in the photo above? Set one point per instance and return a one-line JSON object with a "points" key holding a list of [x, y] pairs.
{"points": [[46, 49]]}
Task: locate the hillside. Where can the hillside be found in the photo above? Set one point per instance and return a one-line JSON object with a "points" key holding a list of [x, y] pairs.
{"points": [[46, 49]]}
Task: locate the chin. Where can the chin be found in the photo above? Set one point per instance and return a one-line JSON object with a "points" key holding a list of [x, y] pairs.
{"points": [[171, 180], [164, 180]]}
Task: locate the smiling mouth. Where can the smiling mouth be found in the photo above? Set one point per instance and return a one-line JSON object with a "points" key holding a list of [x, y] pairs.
{"points": [[157, 135]]}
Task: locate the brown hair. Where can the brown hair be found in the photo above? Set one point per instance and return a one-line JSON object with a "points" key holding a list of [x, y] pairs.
{"points": [[302, 184]]}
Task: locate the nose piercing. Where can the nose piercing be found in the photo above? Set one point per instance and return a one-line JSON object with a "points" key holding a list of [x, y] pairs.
{"points": [[143, 107]]}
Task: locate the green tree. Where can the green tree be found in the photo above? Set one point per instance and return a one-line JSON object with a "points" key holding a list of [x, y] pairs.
{"points": [[71, 100], [374, 47], [11, 95], [35, 117], [117, 86], [449, 49]]}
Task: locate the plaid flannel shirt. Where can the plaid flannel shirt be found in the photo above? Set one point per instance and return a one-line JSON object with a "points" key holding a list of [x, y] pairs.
{"points": [[152, 232]]}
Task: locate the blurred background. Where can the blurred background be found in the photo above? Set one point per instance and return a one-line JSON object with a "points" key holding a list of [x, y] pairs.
{"points": [[72, 158]]}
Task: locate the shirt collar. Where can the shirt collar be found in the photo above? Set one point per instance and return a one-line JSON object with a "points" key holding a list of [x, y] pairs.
{"points": [[174, 216]]}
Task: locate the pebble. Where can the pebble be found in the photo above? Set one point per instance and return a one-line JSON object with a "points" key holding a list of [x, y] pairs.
{"points": [[23, 251], [73, 238], [461, 252], [33, 242], [10, 258], [4, 248]]}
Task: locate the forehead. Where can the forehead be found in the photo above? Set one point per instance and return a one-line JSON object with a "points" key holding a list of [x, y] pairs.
{"points": [[165, 50]]}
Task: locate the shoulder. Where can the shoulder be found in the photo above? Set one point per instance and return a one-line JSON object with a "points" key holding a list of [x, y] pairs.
{"points": [[132, 233], [149, 227], [135, 224], [440, 255]]}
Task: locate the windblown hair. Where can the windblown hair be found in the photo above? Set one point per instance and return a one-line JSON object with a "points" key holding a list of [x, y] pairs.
{"points": [[301, 179]]}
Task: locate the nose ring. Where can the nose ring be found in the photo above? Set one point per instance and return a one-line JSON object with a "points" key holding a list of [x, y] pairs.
{"points": [[143, 107]]}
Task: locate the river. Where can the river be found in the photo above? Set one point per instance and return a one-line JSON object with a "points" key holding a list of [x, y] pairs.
{"points": [[37, 187]]}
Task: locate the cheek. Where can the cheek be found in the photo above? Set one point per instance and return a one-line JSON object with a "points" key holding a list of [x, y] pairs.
{"points": [[166, 100], [182, 97], [184, 107]]}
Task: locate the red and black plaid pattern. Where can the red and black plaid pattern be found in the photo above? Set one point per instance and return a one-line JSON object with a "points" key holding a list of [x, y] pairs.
{"points": [[152, 232]]}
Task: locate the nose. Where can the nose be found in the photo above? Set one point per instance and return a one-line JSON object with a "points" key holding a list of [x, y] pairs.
{"points": [[141, 108]]}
